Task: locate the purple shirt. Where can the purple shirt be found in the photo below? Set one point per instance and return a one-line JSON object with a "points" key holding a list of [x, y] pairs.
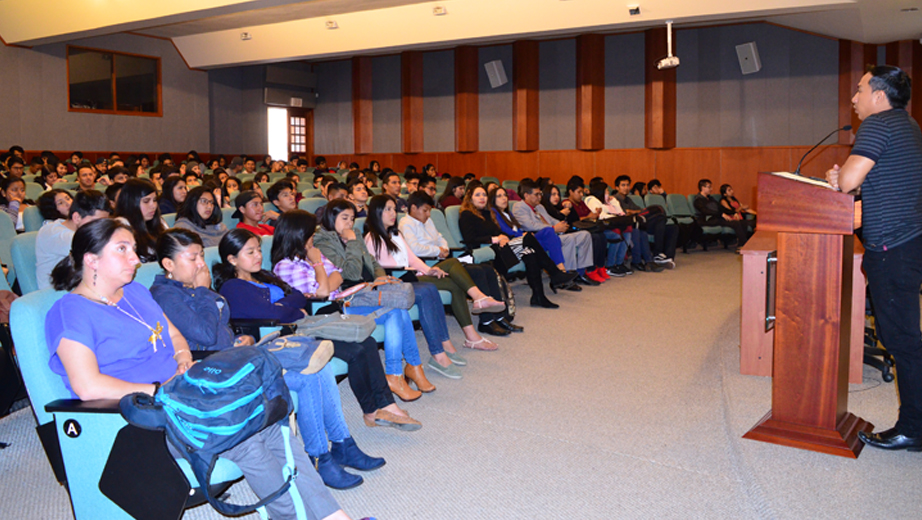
{"points": [[300, 274], [122, 345]]}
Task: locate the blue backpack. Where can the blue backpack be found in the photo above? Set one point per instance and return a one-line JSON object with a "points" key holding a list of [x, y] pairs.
{"points": [[216, 405]]}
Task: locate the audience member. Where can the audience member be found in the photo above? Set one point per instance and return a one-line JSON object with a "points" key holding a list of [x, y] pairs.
{"points": [[358, 196], [54, 204], [53, 241], [454, 190], [390, 182], [86, 176], [200, 213], [250, 213], [659, 255], [137, 207], [13, 199], [732, 206], [711, 214], [173, 195]]}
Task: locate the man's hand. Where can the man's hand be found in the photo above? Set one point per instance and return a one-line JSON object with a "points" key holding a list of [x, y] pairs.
{"points": [[443, 252], [832, 176], [270, 215], [560, 227]]}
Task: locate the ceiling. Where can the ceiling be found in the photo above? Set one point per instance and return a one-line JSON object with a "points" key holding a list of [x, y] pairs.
{"points": [[208, 32]]}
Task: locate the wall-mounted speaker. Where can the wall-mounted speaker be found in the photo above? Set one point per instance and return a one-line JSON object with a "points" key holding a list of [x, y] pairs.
{"points": [[496, 73], [748, 54], [278, 97]]}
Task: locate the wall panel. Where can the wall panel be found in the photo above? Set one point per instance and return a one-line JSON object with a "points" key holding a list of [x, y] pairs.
{"points": [[385, 88], [439, 101], [495, 103], [511, 165], [333, 125], [624, 91], [557, 81]]}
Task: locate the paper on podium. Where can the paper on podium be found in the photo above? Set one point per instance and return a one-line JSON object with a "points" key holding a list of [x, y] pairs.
{"points": [[805, 180]]}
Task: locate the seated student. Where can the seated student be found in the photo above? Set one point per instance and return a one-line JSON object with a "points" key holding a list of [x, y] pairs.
{"points": [[325, 182], [37, 166], [427, 185], [334, 191], [412, 182], [54, 204], [346, 253], [104, 345], [454, 190], [661, 254], [358, 196], [618, 227], [390, 250], [203, 317], [13, 199], [655, 187], [282, 194], [298, 262], [53, 241], [390, 182], [86, 176], [250, 213], [16, 167], [479, 227], [576, 190], [48, 177], [639, 189], [532, 216], [200, 213], [371, 181], [498, 202], [425, 241], [230, 188], [174, 193], [118, 174], [731, 206], [711, 214], [136, 206], [261, 178]]}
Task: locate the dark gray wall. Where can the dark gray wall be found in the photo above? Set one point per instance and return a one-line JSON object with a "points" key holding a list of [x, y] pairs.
{"points": [[239, 116], [495, 103], [557, 83], [793, 100], [386, 118], [439, 101], [624, 91], [34, 102], [333, 115]]}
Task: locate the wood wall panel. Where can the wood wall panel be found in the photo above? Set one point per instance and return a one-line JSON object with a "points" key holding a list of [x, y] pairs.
{"points": [[467, 101], [638, 164], [560, 165], [680, 169], [819, 160], [659, 93], [462, 163], [590, 92], [907, 55], [411, 101], [511, 165], [401, 161], [362, 104], [739, 167], [525, 88]]}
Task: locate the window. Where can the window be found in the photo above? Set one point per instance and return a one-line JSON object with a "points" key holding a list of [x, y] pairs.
{"points": [[278, 133], [113, 83]]}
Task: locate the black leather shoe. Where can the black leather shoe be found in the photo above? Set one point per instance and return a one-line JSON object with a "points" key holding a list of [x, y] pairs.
{"points": [[543, 303], [503, 322], [891, 440], [585, 280], [571, 287], [493, 329], [561, 278], [639, 267]]}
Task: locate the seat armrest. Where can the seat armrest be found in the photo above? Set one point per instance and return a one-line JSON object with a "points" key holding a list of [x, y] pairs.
{"points": [[253, 323], [78, 406]]}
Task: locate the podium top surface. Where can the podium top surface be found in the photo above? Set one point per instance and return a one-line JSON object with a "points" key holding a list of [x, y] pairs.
{"points": [[790, 204]]}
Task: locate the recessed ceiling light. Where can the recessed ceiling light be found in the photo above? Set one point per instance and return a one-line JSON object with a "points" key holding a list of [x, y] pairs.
{"points": [[439, 10], [331, 24]]}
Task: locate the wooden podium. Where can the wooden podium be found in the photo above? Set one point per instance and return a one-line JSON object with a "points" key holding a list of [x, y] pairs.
{"points": [[812, 296]]}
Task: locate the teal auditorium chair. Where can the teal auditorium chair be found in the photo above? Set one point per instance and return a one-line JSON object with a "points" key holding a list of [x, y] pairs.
{"points": [[637, 200], [511, 185], [485, 180], [311, 193], [455, 240], [32, 219], [678, 209], [170, 219], [7, 234], [227, 218], [22, 253], [33, 190], [312, 204], [91, 448], [717, 232]]}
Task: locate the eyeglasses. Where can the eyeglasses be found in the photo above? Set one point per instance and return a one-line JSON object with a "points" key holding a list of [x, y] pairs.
{"points": [[206, 202]]}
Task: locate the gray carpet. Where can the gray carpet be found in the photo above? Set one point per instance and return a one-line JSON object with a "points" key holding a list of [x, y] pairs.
{"points": [[625, 403]]}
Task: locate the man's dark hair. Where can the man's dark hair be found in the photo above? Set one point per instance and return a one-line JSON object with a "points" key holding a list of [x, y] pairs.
{"points": [[388, 175], [17, 148], [353, 183], [410, 176], [164, 157], [420, 198], [654, 183], [574, 183], [276, 189], [15, 160], [336, 186], [328, 179], [80, 154], [621, 178], [112, 172], [702, 183], [319, 159], [893, 82], [425, 180], [303, 162], [86, 203], [527, 186], [37, 161], [469, 176]]}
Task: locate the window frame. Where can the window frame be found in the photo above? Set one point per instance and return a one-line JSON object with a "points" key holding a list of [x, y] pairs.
{"points": [[158, 113]]}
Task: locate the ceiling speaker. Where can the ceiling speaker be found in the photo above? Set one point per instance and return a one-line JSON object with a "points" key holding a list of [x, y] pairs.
{"points": [[496, 73], [748, 54]]}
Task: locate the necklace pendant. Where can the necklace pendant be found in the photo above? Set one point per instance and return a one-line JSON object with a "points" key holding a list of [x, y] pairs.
{"points": [[156, 334]]}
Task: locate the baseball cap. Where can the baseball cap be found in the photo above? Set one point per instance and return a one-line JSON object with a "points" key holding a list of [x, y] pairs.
{"points": [[242, 200]]}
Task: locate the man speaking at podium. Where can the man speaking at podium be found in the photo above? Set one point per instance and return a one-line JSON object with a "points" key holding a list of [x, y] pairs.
{"points": [[886, 163]]}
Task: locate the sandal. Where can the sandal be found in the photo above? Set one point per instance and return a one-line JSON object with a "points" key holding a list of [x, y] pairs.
{"points": [[481, 344], [491, 305]]}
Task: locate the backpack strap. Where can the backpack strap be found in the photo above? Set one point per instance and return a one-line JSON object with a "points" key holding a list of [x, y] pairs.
{"points": [[289, 473]]}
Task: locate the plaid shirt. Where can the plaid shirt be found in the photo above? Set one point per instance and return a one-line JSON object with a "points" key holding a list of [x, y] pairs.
{"points": [[300, 274]]}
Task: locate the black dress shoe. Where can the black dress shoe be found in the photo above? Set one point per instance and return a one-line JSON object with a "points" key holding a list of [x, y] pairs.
{"points": [[639, 267], [493, 328], [570, 287], [891, 440], [561, 278], [543, 303], [503, 322], [585, 280]]}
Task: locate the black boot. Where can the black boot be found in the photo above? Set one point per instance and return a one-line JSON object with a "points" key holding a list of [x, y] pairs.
{"points": [[533, 275]]}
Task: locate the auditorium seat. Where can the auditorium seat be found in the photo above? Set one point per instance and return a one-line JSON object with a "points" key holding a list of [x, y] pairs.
{"points": [[22, 254], [32, 219]]}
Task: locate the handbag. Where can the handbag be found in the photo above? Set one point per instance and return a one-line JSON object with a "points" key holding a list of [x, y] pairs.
{"points": [[591, 226], [508, 295], [505, 256], [389, 292], [353, 328]]}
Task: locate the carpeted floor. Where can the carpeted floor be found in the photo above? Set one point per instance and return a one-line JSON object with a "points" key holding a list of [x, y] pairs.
{"points": [[625, 403]]}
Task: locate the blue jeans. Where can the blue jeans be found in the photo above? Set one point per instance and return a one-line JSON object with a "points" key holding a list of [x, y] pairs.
{"points": [[431, 316], [894, 277], [399, 338], [320, 411], [616, 250], [640, 250]]}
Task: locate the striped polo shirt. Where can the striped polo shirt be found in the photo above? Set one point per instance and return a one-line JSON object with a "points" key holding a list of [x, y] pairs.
{"points": [[892, 191]]}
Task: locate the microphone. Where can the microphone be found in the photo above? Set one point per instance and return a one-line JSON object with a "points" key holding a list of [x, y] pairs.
{"points": [[845, 128]]}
